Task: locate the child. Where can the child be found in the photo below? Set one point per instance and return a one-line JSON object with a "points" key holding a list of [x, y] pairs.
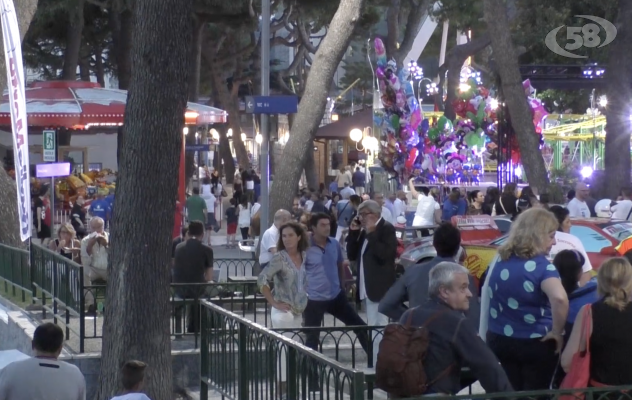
{"points": [[231, 224], [133, 377]]}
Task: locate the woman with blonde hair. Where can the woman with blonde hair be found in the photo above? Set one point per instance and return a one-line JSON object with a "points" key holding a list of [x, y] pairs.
{"points": [[609, 327], [527, 302], [66, 243]]}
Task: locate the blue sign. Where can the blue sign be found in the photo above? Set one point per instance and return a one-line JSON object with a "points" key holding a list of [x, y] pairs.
{"points": [[271, 104], [198, 147]]}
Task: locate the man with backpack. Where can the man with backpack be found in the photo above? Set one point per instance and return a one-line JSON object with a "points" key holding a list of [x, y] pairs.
{"points": [[425, 352]]}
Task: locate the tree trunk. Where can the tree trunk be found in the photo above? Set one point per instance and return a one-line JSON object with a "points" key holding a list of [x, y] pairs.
{"points": [[99, 69], [73, 40], [121, 25], [84, 63], [310, 171], [139, 262], [519, 109], [224, 155], [619, 88], [196, 59], [455, 59], [10, 226], [229, 101], [312, 105]]}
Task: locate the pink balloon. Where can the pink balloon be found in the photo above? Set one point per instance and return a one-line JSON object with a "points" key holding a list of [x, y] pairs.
{"points": [[380, 73], [400, 99]]}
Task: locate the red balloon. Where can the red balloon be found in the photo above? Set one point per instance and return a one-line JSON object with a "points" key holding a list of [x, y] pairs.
{"points": [[412, 156]]}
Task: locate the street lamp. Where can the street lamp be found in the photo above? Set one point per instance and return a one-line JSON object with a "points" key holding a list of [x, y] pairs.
{"points": [[243, 137], [355, 135], [258, 138], [229, 133], [185, 130], [214, 134], [416, 72]]}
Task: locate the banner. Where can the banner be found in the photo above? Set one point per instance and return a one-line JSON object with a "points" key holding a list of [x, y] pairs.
{"points": [[17, 105]]}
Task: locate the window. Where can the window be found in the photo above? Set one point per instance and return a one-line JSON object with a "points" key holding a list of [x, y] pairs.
{"points": [[95, 166], [592, 240]]}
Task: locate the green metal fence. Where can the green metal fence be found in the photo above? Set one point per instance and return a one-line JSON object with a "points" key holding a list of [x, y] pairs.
{"points": [[58, 285], [243, 360], [15, 272], [608, 393]]}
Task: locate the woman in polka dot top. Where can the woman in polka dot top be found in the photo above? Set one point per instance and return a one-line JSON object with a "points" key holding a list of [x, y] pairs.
{"points": [[527, 303]]}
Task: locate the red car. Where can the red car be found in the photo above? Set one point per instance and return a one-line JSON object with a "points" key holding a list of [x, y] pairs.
{"points": [[599, 236]]}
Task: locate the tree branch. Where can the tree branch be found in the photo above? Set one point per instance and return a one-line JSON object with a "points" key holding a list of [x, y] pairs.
{"points": [[454, 61], [413, 25], [305, 39]]}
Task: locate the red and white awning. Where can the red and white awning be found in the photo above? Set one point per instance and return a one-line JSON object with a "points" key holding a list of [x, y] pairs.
{"points": [[82, 105]]}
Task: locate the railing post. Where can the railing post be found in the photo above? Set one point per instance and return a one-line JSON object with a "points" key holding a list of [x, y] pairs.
{"points": [[82, 311], [242, 363], [357, 386], [32, 277], [292, 373], [204, 361], [55, 287]]}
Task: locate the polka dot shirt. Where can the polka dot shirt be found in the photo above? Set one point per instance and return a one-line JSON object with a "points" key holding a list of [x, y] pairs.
{"points": [[518, 307]]}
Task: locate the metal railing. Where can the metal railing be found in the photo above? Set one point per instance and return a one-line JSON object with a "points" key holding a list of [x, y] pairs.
{"points": [[15, 272], [185, 299], [59, 280], [242, 360]]}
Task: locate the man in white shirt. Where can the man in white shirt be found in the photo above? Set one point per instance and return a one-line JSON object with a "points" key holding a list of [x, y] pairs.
{"points": [[399, 205], [43, 377], [623, 208], [578, 207], [270, 237], [94, 258]]}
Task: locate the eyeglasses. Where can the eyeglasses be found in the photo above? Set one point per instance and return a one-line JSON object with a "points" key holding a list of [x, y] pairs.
{"points": [[364, 215]]}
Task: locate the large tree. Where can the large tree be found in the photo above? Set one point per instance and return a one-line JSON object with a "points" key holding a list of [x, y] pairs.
{"points": [[619, 88], [506, 59], [136, 323], [9, 228], [312, 106]]}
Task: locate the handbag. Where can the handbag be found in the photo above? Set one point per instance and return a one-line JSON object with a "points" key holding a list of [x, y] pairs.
{"points": [[579, 375]]}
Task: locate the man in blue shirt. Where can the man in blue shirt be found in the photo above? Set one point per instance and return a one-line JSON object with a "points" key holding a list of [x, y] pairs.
{"points": [[100, 207], [454, 205], [325, 268]]}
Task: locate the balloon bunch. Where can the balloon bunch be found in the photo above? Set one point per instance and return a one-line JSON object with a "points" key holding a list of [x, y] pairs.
{"points": [[400, 118]]}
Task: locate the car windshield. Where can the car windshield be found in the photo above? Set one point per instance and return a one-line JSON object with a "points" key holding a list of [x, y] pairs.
{"points": [[618, 231]]}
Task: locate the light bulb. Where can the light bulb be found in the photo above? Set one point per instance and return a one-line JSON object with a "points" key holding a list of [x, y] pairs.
{"points": [[258, 138], [185, 130], [355, 135]]}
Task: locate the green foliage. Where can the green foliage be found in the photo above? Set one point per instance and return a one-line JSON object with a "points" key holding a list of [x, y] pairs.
{"points": [[561, 101]]}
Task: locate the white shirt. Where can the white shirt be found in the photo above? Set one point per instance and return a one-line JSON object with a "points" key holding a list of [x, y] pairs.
{"points": [[566, 241], [399, 207], [41, 379], [621, 210], [269, 241], [244, 216], [253, 210], [99, 257], [308, 205], [426, 207], [250, 185], [362, 282], [386, 214], [209, 198], [347, 192], [132, 396], [578, 209]]}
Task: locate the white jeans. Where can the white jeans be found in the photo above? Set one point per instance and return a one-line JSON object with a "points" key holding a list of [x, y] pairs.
{"points": [[374, 318], [284, 320]]}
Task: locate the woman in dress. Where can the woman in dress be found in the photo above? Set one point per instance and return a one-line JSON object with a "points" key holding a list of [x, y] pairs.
{"points": [[244, 217], [528, 305]]}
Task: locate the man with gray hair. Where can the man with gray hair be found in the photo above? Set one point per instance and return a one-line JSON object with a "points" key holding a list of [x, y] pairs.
{"points": [[270, 237], [373, 245], [94, 258], [454, 343]]}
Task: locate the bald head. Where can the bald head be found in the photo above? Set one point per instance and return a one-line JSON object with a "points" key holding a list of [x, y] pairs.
{"points": [[581, 191], [281, 217]]}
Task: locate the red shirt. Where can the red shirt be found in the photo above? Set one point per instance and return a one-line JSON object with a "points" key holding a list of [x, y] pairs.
{"points": [[177, 226]]}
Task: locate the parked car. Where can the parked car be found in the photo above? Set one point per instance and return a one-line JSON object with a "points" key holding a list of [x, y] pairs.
{"points": [[421, 249], [599, 236]]}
